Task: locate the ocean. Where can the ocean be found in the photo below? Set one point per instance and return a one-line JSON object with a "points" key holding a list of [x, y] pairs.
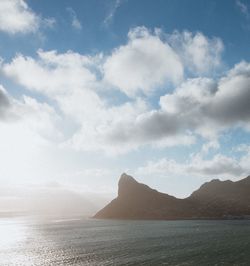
{"points": [[31, 241]]}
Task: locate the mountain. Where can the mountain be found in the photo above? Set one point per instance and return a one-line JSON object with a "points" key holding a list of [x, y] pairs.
{"points": [[213, 200]]}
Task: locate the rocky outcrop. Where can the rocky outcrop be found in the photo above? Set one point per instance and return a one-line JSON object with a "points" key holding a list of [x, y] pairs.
{"points": [[213, 200]]}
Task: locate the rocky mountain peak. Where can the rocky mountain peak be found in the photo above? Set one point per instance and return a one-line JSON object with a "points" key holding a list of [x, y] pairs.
{"points": [[126, 184], [213, 200]]}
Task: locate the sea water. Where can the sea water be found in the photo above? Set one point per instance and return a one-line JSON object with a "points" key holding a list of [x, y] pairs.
{"points": [[29, 241]]}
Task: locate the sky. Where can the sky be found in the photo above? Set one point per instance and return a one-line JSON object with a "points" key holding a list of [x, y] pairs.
{"points": [[90, 89]]}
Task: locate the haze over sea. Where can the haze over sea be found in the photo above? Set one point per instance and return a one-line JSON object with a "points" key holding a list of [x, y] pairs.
{"points": [[53, 241]]}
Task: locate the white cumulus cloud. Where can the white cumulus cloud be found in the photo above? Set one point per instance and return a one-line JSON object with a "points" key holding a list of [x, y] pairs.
{"points": [[17, 17], [78, 85], [200, 54], [143, 64]]}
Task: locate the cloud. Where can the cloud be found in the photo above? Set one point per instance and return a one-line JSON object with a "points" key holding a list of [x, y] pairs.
{"points": [[52, 73], [28, 129], [75, 21], [17, 17], [31, 116], [218, 166], [200, 54], [40, 118], [109, 18], [78, 84], [153, 127], [27, 114], [4, 102], [49, 22], [201, 106], [142, 65], [94, 133], [152, 60], [243, 8], [69, 80]]}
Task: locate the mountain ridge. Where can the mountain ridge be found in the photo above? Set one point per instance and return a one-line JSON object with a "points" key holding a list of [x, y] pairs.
{"points": [[213, 200]]}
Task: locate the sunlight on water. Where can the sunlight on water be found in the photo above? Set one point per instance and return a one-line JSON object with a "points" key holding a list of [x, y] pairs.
{"points": [[12, 233], [87, 242]]}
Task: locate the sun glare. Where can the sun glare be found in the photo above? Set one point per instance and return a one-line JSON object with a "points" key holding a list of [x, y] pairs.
{"points": [[12, 233]]}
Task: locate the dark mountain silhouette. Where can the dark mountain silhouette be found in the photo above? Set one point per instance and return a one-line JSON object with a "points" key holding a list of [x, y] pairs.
{"points": [[213, 200]]}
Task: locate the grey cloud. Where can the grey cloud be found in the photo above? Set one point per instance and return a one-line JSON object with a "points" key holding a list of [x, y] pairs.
{"points": [[221, 167], [200, 106], [4, 104], [151, 126], [232, 105]]}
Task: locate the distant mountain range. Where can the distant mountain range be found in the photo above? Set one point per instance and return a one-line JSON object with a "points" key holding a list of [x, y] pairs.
{"points": [[213, 200]]}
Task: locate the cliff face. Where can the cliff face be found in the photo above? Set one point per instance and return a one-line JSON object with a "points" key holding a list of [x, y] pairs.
{"points": [[215, 199]]}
